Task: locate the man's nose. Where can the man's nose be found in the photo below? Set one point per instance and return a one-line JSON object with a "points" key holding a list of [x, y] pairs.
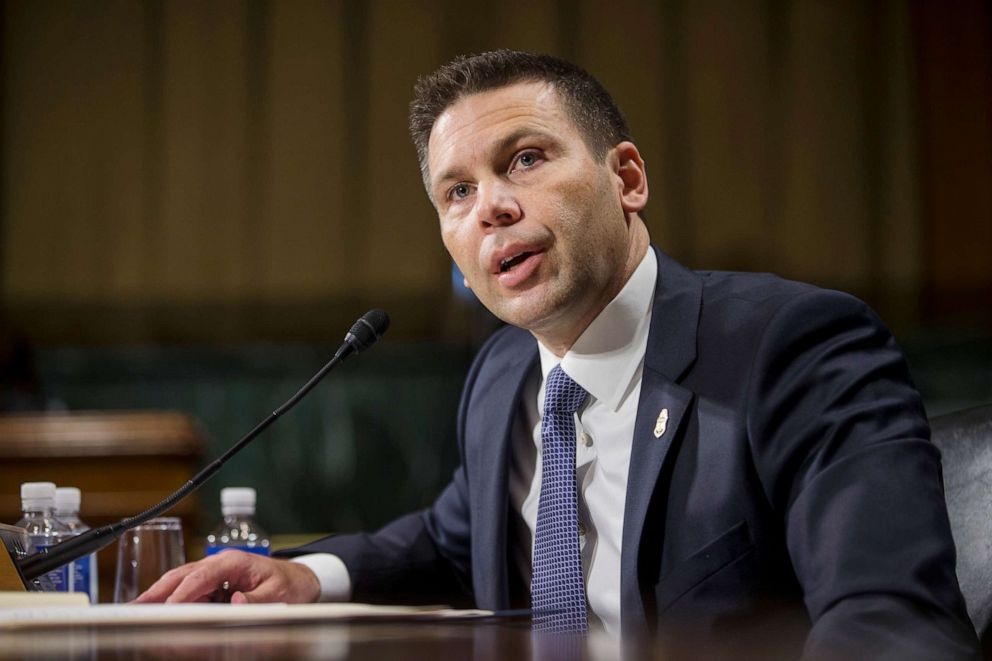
{"points": [[496, 205]]}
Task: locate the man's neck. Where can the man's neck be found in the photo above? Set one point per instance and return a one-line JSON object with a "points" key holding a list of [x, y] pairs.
{"points": [[561, 338]]}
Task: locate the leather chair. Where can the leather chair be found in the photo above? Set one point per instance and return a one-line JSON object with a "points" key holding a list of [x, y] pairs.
{"points": [[965, 442]]}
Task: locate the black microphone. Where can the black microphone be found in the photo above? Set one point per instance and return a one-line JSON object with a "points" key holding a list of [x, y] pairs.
{"points": [[363, 334]]}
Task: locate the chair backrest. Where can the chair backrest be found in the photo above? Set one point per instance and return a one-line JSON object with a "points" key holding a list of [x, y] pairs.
{"points": [[965, 442]]}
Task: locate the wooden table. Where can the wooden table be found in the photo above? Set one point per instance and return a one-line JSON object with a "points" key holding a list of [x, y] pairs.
{"points": [[338, 640], [471, 640]]}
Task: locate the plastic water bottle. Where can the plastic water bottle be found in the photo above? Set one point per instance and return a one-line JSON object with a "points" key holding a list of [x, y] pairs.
{"points": [[44, 531], [84, 571], [239, 530]]}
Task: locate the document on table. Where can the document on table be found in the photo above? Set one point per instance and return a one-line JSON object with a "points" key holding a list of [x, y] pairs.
{"points": [[117, 615]]}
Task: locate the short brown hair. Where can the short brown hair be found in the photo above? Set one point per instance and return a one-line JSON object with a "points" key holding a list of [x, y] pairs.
{"points": [[586, 101]]}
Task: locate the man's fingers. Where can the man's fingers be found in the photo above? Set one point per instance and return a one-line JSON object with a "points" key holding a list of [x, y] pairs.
{"points": [[274, 589], [246, 578], [164, 586], [281, 581], [208, 577]]}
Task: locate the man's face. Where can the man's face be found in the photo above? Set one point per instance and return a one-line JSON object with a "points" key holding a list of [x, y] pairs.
{"points": [[533, 221]]}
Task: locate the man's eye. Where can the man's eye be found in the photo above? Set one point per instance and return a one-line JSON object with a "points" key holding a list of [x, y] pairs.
{"points": [[459, 192], [527, 159]]}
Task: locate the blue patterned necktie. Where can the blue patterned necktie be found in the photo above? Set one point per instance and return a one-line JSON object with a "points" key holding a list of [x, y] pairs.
{"points": [[557, 591]]}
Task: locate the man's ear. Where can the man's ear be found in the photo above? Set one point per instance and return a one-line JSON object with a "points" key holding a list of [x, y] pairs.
{"points": [[629, 167]]}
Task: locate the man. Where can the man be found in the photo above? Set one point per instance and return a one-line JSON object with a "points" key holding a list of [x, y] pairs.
{"points": [[705, 448]]}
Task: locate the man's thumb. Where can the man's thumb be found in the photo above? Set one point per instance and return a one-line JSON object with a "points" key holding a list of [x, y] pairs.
{"points": [[242, 598]]}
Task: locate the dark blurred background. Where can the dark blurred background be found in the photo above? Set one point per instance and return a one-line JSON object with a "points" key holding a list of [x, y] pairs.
{"points": [[198, 198]]}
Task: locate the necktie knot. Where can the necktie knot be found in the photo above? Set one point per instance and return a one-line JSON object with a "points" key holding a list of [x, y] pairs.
{"points": [[561, 393]]}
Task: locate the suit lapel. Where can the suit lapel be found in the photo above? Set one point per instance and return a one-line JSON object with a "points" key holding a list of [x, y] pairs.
{"points": [[662, 407], [495, 412]]}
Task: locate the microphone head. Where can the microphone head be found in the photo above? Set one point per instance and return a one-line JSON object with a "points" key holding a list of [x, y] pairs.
{"points": [[367, 330]]}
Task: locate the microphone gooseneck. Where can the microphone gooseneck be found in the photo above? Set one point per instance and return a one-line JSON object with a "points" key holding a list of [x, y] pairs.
{"points": [[363, 334]]}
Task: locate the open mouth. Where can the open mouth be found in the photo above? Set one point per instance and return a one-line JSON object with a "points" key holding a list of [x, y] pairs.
{"points": [[508, 263]]}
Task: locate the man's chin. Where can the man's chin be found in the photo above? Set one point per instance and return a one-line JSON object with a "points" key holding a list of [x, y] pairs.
{"points": [[533, 318], [512, 314]]}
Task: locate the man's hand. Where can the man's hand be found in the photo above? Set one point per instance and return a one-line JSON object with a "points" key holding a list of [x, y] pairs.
{"points": [[237, 577]]}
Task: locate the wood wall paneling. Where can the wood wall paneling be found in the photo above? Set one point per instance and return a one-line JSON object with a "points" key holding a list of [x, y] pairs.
{"points": [[532, 25], [402, 252], [200, 249], [955, 69], [728, 95], [897, 241], [304, 233], [241, 168], [824, 231], [71, 150]]}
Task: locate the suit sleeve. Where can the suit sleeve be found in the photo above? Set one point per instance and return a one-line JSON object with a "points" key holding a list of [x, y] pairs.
{"points": [[419, 558], [422, 557], [841, 442]]}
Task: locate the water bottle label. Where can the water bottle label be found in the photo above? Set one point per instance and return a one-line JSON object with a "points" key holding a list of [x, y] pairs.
{"points": [[56, 580], [82, 576], [257, 550]]}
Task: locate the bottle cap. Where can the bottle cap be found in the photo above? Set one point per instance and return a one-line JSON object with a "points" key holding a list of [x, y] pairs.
{"points": [[237, 500], [37, 495], [67, 500]]}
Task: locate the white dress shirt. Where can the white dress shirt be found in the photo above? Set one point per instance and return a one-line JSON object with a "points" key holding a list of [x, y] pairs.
{"points": [[607, 361]]}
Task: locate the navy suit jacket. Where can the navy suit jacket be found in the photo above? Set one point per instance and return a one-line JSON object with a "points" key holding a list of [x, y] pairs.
{"points": [[795, 470]]}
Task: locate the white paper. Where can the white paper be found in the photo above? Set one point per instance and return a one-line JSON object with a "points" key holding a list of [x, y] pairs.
{"points": [[42, 599], [16, 618]]}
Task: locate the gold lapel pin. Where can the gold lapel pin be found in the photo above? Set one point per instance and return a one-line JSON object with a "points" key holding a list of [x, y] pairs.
{"points": [[662, 424]]}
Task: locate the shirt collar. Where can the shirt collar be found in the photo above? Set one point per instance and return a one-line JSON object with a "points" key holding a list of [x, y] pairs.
{"points": [[605, 358]]}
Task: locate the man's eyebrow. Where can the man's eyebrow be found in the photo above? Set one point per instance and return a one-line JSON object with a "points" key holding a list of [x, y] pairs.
{"points": [[504, 143], [522, 133], [451, 174]]}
